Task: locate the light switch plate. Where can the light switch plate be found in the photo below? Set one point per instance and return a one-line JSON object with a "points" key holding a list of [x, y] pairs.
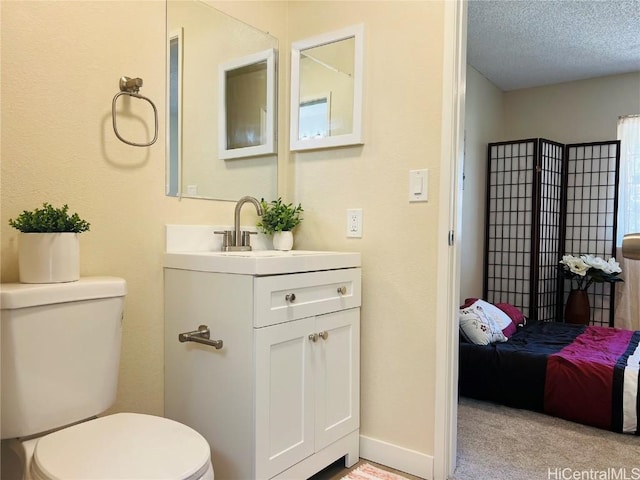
{"points": [[418, 185]]}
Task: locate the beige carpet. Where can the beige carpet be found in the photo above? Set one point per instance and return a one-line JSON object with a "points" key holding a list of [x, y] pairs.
{"points": [[501, 443]]}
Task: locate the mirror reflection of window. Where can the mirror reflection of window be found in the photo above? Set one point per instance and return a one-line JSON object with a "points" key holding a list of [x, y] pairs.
{"points": [[328, 67], [315, 117]]}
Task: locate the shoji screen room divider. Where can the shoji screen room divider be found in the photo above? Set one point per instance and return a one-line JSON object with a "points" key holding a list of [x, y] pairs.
{"points": [[545, 199]]}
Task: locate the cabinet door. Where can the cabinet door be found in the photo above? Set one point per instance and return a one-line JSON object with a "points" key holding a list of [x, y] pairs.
{"points": [[284, 396], [337, 376]]}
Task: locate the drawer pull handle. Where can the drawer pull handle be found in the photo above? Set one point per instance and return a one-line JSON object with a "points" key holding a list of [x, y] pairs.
{"points": [[342, 290], [200, 336], [290, 297], [323, 335], [313, 337]]}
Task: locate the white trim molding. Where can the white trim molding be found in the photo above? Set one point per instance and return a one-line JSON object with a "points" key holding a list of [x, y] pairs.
{"points": [[449, 228], [400, 458]]}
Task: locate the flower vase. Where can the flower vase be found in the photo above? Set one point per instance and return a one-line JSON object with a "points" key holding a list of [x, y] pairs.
{"points": [[577, 310], [283, 240]]}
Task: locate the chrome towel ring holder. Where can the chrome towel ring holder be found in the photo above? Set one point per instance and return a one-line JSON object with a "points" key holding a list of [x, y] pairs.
{"points": [[131, 87]]}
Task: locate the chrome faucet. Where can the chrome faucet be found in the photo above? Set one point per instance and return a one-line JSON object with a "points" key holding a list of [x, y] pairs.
{"points": [[241, 240], [235, 240]]}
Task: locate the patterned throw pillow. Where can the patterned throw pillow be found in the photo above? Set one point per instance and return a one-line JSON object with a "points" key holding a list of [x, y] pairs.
{"points": [[502, 318], [478, 327]]}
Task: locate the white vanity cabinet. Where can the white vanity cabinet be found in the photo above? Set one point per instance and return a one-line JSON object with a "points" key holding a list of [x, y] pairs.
{"points": [[306, 387], [280, 399]]}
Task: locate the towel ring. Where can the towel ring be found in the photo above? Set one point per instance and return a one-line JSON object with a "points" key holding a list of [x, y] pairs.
{"points": [[131, 87]]}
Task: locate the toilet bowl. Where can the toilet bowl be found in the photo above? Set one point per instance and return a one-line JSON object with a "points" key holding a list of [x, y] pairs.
{"points": [[122, 446], [60, 357]]}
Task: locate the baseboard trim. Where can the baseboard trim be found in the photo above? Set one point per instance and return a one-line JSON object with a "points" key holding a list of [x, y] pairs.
{"points": [[400, 458]]}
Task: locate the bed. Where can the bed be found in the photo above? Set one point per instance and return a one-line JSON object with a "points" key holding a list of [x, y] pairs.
{"points": [[585, 374]]}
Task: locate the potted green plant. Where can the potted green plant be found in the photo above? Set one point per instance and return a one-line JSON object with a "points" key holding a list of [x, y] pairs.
{"points": [[279, 219], [49, 247]]}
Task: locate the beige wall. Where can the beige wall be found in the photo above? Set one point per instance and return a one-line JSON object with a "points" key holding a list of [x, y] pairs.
{"points": [[58, 79], [402, 102], [483, 124], [61, 62], [572, 112]]}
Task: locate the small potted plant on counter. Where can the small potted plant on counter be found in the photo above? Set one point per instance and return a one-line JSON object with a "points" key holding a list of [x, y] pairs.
{"points": [[49, 247], [279, 219]]}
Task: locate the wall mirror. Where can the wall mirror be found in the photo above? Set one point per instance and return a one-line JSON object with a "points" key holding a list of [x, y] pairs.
{"points": [[326, 90], [214, 61]]}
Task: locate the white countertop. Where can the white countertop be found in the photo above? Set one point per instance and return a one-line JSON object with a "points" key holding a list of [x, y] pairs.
{"points": [[261, 262], [195, 247]]}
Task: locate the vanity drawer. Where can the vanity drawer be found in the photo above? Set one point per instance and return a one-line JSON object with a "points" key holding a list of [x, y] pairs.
{"points": [[282, 298]]}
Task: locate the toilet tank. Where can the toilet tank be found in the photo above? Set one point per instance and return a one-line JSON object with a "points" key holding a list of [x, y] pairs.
{"points": [[60, 352]]}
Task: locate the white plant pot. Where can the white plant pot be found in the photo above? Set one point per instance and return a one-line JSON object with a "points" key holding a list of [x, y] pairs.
{"points": [[283, 241], [49, 257]]}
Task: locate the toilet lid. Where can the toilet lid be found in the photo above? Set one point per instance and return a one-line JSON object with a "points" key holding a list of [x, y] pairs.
{"points": [[122, 446]]}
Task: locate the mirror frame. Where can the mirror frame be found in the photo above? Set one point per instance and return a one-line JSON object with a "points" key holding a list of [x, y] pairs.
{"points": [[269, 147], [353, 138]]}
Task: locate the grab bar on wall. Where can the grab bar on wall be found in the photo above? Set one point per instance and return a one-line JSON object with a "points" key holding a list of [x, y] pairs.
{"points": [[131, 87]]}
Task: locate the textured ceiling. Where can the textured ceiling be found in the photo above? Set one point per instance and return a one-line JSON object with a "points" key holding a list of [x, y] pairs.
{"points": [[529, 43]]}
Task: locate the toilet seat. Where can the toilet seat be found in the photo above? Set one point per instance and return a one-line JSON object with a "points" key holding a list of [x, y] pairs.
{"points": [[122, 446]]}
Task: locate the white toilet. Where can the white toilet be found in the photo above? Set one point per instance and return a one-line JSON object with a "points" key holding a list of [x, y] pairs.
{"points": [[60, 356]]}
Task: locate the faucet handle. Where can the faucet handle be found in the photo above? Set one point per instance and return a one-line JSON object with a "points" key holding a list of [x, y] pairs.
{"points": [[246, 238], [227, 238]]}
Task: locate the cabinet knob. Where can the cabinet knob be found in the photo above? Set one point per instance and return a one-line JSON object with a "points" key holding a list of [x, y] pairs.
{"points": [[313, 337], [290, 297], [342, 290], [323, 335]]}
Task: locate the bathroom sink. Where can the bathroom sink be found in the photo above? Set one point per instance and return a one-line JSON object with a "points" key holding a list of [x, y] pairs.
{"points": [[197, 247], [260, 262]]}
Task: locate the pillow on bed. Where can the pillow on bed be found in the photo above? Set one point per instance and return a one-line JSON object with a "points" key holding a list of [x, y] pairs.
{"points": [[497, 315], [516, 315], [478, 327]]}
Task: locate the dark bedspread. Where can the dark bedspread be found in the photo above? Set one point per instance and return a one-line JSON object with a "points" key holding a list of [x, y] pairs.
{"points": [[584, 374]]}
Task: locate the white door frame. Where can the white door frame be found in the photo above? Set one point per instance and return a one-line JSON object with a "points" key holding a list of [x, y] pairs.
{"points": [[450, 213]]}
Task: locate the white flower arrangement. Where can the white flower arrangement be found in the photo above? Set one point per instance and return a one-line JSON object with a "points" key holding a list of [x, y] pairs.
{"points": [[587, 269]]}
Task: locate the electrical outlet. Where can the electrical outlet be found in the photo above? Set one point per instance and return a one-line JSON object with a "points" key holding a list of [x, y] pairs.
{"points": [[354, 222]]}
